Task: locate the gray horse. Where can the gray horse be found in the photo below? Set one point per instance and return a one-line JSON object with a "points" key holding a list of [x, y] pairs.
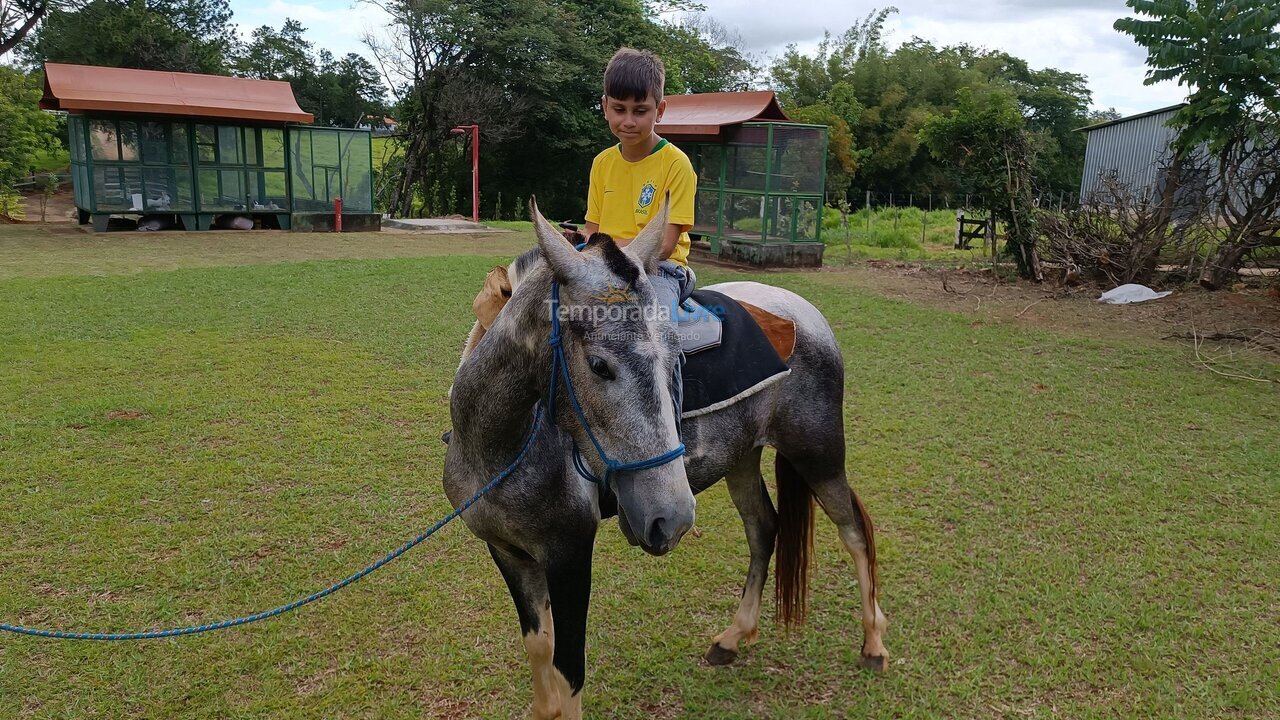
{"points": [[619, 354]]}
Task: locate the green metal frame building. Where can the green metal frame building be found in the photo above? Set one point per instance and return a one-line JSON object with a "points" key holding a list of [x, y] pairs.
{"points": [[197, 148], [760, 176]]}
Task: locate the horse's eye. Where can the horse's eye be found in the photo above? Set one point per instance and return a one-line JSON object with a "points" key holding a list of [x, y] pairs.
{"points": [[600, 367]]}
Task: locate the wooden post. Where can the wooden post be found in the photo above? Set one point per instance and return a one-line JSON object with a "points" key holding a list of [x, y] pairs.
{"points": [[959, 229], [868, 206], [991, 237]]}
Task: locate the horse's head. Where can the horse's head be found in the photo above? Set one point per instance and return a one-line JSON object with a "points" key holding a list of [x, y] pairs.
{"points": [[620, 352]]}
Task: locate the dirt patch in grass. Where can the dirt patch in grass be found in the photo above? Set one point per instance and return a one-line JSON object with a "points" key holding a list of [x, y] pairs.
{"points": [[1247, 310]]}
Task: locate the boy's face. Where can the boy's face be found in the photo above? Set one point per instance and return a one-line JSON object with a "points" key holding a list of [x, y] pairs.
{"points": [[632, 121]]}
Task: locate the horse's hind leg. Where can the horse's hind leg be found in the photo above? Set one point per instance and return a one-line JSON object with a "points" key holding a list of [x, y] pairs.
{"points": [[826, 478], [527, 581], [760, 520]]}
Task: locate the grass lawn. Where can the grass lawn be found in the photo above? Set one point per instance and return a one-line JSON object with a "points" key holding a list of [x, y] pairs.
{"points": [[207, 425]]}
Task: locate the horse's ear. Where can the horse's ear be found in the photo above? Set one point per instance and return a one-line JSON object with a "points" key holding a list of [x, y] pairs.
{"points": [[646, 248], [565, 261]]}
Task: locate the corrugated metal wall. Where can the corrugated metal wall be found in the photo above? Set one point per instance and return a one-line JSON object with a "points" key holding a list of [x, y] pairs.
{"points": [[1131, 150]]}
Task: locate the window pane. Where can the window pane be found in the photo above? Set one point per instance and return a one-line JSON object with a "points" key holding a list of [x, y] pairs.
{"points": [[272, 147], [206, 140], [267, 191], [129, 141], [357, 175], [250, 146], [222, 190], [131, 178], [102, 138], [229, 146], [179, 149], [155, 142], [75, 138], [107, 188]]}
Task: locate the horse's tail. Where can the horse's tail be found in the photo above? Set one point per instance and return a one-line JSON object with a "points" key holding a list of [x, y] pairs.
{"points": [[794, 548]]}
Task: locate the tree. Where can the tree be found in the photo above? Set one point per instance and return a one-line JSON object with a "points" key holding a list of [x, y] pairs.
{"points": [[24, 128], [176, 35], [701, 56], [1228, 54], [17, 18], [986, 138], [272, 55]]}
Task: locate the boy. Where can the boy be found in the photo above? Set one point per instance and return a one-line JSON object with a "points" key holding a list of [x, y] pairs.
{"points": [[630, 179]]}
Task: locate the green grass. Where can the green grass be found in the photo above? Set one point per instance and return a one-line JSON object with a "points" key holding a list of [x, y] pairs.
{"points": [[1068, 527], [905, 233]]}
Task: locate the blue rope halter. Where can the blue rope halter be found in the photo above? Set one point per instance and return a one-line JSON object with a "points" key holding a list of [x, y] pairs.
{"points": [[560, 368]]}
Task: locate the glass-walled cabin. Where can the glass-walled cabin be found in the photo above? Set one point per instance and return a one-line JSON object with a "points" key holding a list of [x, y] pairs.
{"points": [[761, 183]]}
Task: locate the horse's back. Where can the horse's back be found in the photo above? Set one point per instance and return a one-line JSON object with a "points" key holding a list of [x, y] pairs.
{"points": [[812, 328]]}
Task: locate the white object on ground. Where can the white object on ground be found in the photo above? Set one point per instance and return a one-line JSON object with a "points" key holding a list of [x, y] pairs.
{"points": [[1131, 293]]}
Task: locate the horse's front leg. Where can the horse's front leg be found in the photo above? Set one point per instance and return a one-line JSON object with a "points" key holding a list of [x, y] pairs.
{"points": [[527, 582], [569, 579]]}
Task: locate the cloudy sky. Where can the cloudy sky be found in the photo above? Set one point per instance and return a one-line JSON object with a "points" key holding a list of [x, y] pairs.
{"points": [[1072, 35]]}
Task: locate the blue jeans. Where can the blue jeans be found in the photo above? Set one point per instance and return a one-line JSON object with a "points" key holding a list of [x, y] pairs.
{"points": [[672, 285]]}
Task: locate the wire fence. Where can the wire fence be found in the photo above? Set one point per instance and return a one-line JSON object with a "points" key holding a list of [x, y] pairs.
{"points": [[859, 199]]}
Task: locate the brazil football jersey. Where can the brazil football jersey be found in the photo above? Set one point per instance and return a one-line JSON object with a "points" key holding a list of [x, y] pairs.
{"points": [[625, 195]]}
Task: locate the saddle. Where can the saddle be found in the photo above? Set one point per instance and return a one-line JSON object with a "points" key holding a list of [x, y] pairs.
{"points": [[732, 350]]}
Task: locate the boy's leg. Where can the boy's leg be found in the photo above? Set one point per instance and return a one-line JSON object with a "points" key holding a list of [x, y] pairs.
{"points": [[672, 284]]}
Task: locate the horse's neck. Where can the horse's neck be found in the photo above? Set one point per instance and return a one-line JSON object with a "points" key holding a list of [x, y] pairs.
{"points": [[496, 386]]}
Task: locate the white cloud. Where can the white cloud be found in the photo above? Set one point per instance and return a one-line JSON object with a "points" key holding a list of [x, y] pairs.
{"points": [[1073, 35]]}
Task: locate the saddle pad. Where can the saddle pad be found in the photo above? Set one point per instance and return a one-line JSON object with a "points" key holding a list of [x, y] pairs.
{"points": [[744, 362], [698, 326]]}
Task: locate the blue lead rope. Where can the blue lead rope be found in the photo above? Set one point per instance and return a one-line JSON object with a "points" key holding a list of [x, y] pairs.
{"points": [[560, 367], [174, 632]]}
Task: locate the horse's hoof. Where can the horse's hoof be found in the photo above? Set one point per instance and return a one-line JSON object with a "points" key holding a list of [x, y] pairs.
{"points": [[720, 656], [879, 663], [446, 436]]}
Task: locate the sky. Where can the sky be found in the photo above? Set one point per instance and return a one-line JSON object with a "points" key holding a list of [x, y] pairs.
{"points": [[1073, 35]]}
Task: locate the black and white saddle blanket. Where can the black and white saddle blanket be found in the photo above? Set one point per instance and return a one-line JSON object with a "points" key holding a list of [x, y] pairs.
{"points": [[727, 355]]}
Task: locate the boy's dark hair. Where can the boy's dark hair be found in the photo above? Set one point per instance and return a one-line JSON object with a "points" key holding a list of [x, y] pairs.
{"points": [[634, 75]]}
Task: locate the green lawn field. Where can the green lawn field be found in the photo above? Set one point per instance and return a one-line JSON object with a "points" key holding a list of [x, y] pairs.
{"points": [[206, 425]]}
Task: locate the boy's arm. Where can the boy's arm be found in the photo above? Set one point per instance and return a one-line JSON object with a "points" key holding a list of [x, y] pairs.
{"points": [[682, 185]]}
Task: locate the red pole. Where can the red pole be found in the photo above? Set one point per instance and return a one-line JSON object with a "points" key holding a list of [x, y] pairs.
{"points": [[475, 174], [475, 167], [337, 214]]}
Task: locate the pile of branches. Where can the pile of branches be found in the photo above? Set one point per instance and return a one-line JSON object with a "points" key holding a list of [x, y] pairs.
{"points": [[1119, 236], [1243, 202]]}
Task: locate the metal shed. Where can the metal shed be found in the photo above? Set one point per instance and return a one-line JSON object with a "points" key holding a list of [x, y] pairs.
{"points": [[195, 147], [760, 176], [1129, 149]]}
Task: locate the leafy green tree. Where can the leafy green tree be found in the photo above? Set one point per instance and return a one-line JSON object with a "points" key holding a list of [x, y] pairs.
{"points": [[1226, 52], [275, 55], [986, 138], [24, 128], [176, 35]]}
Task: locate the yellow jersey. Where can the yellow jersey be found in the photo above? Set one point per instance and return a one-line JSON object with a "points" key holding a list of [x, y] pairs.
{"points": [[625, 195]]}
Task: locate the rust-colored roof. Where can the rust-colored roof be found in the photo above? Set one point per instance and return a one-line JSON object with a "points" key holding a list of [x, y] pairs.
{"points": [[700, 116], [148, 92]]}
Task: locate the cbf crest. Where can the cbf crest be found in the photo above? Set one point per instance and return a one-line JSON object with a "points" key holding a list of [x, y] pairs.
{"points": [[646, 195]]}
